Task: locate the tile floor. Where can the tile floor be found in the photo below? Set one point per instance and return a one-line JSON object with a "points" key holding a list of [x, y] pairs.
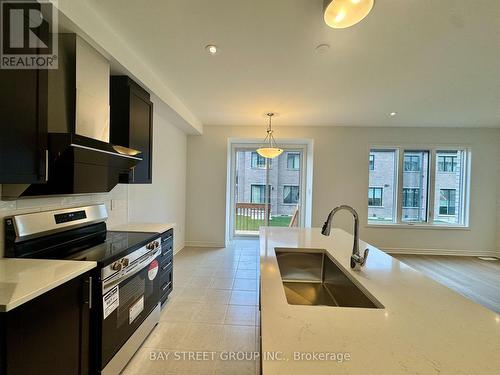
{"points": [[213, 308]]}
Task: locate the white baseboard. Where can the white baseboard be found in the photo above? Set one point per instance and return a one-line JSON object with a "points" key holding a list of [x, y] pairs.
{"points": [[179, 247], [204, 244], [410, 251]]}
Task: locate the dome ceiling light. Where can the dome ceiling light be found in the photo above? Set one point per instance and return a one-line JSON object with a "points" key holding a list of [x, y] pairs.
{"points": [[340, 14], [269, 148]]}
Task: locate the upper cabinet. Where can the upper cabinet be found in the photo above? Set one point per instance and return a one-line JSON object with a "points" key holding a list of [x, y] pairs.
{"points": [[23, 126], [71, 99], [131, 125]]}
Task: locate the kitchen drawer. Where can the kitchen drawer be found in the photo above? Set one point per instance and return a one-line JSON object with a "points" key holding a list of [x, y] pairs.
{"points": [[168, 235], [166, 256], [165, 264], [167, 245], [164, 299], [165, 275], [166, 284]]}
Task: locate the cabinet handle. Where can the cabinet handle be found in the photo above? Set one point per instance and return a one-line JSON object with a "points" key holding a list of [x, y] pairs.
{"points": [[165, 267], [166, 286], [46, 165], [89, 281]]}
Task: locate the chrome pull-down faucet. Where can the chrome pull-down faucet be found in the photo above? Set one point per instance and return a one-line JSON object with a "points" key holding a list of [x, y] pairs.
{"points": [[357, 260]]}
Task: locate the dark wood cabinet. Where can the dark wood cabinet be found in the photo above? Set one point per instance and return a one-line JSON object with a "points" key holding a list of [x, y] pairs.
{"points": [[166, 260], [23, 126], [33, 103], [49, 334], [131, 125]]}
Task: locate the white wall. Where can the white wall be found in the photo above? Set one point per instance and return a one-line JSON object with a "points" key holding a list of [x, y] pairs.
{"points": [[165, 199], [84, 19], [498, 208], [340, 176], [116, 203]]}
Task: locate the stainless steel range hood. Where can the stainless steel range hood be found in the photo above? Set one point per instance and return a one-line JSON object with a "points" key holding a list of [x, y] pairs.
{"points": [[80, 159], [80, 165]]}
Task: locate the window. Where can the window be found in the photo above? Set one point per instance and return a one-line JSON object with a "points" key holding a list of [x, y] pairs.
{"points": [[447, 163], [411, 198], [428, 186], [371, 162], [412, 163], [258, 194], [258, 161], [450, 187], [382, 186], [375, 196], [293, 160], [415, 161], [290, 194], [447, 201]]}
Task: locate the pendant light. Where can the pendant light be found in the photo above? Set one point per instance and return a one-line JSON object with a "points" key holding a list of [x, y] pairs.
{"points": [[269, 148], [340, 14]]}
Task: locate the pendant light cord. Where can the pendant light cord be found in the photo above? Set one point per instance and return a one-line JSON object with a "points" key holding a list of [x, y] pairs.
{"points": [[272, 142]]}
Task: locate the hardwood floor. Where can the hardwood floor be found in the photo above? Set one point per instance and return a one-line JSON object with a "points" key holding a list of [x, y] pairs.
{"points": [[476, 279]]}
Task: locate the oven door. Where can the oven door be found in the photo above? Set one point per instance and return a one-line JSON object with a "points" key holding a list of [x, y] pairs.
{"points": [[126, 305]]}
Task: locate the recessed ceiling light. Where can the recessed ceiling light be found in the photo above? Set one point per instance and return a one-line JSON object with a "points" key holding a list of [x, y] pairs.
{"points": [[212, 49], [393, 114]]}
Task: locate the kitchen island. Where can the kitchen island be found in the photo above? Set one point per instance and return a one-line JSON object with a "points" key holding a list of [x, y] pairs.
{"points": [[423, 327]]}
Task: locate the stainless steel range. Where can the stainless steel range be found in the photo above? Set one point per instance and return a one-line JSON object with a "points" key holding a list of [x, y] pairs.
{"points": [[126, 291]]}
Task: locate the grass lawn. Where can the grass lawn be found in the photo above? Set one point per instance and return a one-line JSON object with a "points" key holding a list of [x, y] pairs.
{"points": [[247, 223]]}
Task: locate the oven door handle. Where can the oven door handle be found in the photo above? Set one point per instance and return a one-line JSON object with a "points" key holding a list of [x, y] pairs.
{"points": [[140, 266]]}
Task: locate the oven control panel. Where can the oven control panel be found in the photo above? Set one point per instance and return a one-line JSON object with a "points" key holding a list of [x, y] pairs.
{"points": [[129, 264]]}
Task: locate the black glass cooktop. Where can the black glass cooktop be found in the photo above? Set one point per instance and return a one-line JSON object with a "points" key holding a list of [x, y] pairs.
{"points": [[92, 242], [114, 246]]}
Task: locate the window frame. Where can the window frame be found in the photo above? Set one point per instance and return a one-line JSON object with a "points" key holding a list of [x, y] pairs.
{"points": [[453, 164], [298, 191], [294, 154], [251, 193], [257, 166], [448, 201], [419, 196], [374, 188], [411, 157], [433, 170]]}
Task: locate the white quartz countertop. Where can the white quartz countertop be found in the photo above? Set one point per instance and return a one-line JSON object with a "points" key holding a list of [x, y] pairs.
{"points": [[22, 280], [425, 328], [144, 227]]}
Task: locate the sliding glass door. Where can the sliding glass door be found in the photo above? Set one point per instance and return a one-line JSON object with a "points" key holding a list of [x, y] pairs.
{"points": [[266, 192]]}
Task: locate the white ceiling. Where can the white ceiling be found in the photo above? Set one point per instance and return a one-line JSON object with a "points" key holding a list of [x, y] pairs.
{"points": [[434, 62]]}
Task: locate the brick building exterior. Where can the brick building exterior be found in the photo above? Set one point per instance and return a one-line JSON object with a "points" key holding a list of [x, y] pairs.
{"points": [[284, 178], [382, 189]]}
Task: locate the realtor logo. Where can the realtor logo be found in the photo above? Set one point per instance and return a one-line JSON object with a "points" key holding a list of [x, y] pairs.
{"points": [[28, 34]]}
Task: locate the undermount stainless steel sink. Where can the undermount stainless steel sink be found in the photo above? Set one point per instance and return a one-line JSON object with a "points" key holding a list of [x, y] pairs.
{"points": [[311, 277]]}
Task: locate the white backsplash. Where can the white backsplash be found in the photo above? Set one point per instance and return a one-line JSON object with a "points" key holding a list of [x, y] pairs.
{"points": [[116, 202]]}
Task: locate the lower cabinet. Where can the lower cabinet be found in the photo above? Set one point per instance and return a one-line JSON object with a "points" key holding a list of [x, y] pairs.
{"points": [[49, 334], [166, 265]]}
